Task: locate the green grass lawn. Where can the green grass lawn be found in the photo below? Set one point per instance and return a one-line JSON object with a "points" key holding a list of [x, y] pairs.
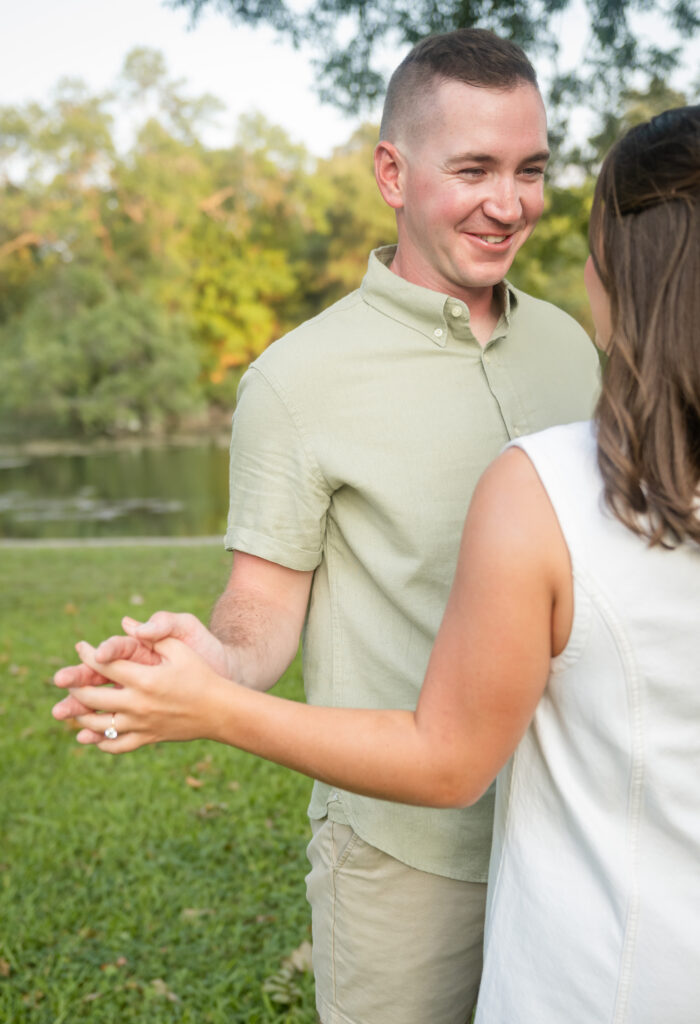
{"points": [[166, 885]]}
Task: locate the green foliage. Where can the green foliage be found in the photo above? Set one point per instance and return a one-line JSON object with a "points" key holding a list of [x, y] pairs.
{"points": [[167, 885], [87, 360], [550, 266], [136, 285], [637, 106], [347, 35], [344, 217]]}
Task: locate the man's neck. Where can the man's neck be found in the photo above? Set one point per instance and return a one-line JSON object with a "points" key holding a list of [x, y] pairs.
{"points": [[485, 304], [483, 317]]}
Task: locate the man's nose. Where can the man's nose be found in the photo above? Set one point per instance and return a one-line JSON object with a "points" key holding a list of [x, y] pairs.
{"points": [[503, 202]]}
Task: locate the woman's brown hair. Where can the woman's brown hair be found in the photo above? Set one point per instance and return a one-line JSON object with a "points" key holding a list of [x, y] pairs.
{"points": [[645, 243]]}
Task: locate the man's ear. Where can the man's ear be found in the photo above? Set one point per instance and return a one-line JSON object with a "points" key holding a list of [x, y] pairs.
{"points": [[388, 170]]}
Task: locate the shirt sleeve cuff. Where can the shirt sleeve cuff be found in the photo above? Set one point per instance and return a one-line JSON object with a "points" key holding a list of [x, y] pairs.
{"points": [[272, 549]]}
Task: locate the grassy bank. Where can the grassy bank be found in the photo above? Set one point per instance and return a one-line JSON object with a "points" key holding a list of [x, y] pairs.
{"points": [[163, 886]]}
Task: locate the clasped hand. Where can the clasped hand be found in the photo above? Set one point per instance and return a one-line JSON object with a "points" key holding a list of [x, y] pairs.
{"points": [[163, 689]]}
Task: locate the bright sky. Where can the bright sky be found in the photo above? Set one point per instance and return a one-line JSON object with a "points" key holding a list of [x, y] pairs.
{"points": [[44, 40]]}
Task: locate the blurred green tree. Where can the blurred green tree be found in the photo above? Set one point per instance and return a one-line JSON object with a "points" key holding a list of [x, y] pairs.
{"points": [[346, 37], [85, 360], [138, 281]]}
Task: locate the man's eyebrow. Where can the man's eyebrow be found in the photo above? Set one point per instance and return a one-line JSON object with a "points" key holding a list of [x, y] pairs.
{"points": [[487, 158], [537, 158]]}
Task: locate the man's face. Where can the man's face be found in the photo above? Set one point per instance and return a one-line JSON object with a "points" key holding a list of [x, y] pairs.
{"points": [[471, 183]]}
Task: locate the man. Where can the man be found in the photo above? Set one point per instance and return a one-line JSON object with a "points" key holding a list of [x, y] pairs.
{"points": [[357, 441]]}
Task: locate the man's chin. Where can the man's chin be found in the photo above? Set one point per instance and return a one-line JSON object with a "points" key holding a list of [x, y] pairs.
{"points": [[481, 282]]}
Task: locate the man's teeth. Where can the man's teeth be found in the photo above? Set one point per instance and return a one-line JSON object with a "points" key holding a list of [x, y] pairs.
{"points": [[493, 238]]}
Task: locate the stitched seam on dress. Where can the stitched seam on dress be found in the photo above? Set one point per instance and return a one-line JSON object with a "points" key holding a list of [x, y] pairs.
{"points": [[634, 801]]}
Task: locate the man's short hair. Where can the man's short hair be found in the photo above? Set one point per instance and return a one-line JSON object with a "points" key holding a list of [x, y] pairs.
{"points": [[474, 56]]}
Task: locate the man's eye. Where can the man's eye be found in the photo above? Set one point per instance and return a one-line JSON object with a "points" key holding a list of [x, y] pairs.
{"points": [[472, 172], [533, 172]]}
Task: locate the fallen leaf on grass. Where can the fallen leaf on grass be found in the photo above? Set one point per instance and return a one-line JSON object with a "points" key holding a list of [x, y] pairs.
{"points": [[121, 961], [192, 913], [70, 609], [161, 989], [194, 783], [300, 958], [282, 987], [211, 810], [33, 999], [5, 968], [91, 997]]}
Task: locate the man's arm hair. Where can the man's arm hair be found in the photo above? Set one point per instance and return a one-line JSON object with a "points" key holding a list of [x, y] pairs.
{"points": [[259, 619]]}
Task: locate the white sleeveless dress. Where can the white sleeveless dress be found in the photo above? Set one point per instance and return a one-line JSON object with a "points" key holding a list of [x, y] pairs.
{"points": [[594, 888]]}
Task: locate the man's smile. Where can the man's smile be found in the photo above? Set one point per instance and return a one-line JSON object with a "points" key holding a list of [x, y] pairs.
{"points": [[491, 241]]}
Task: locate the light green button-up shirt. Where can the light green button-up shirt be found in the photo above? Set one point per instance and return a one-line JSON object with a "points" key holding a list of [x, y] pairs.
{"points": [[357, 442]]}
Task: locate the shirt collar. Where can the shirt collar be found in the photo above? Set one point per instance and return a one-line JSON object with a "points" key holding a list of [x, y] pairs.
{"points": [[420, 308]]}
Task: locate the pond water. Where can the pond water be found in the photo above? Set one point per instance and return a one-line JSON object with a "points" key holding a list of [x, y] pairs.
{"points": [[170, 490]]}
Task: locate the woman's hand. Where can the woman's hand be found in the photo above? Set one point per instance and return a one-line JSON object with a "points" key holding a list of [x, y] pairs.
{"points": [[137, 646], [179, 697]]}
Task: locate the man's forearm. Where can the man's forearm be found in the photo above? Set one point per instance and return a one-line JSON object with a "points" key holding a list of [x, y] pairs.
{"points": [[260, 642], [259, 619]]}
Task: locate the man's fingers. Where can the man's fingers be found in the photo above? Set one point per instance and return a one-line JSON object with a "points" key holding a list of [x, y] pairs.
{"points": [[132, 623], [87, 736], [161, 625], [116, 648], [122, 672], [69, 707], [158, 626], [78, 675]]}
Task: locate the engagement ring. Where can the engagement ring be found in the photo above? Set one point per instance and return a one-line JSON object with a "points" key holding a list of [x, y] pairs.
{"points": [[111, 733]]}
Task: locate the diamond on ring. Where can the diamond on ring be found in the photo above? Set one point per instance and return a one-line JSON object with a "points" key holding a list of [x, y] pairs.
{"points": [[111, 733]]}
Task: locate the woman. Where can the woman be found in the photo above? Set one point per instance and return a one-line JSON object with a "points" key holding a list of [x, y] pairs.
{"points": [[568, 658]]}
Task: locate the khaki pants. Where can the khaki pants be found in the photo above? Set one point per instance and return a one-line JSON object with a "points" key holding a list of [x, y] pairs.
{"points": [[391, 944]]}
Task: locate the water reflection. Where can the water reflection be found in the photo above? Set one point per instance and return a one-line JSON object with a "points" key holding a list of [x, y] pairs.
{"points": [[174, 491]]}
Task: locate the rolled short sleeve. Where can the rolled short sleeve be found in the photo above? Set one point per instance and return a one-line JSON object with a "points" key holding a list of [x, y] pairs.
{"points": [[278, 495]]}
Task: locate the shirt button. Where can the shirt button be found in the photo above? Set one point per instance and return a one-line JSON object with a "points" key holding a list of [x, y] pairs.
{"points": [[438, 332], [456, 311]]}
